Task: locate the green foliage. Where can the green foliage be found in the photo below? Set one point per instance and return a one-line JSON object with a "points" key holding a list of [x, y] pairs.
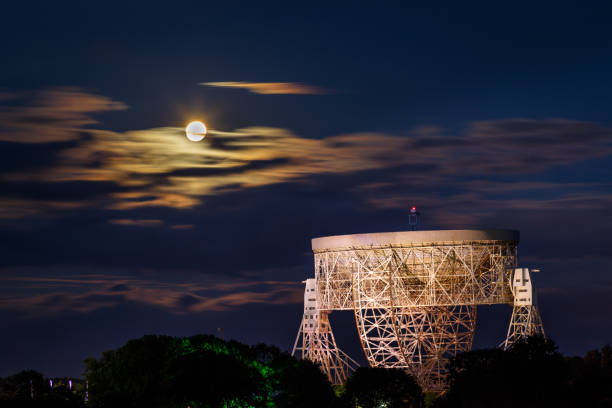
{"points": [[382, 387], [207, 372], [206, 378], [339, 390], [203, 371]]}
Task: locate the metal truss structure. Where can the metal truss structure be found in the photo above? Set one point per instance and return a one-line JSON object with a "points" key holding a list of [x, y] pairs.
{"points": [[414, 296], [525, 320], [316, 342]]}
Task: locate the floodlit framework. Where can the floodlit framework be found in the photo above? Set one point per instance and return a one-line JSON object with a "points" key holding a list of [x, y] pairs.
{"points": [[316, 342], [525, 320], [414, 295]]}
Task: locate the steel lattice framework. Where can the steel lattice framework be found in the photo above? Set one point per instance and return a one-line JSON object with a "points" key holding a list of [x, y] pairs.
{"points": [[414, 295], [316, 342]]}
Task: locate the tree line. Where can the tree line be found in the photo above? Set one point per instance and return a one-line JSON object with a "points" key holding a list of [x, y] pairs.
{"points": [[207, 372]]}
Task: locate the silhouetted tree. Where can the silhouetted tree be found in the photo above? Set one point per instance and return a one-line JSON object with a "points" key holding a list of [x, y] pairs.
{"points": [[300, 384], [29, 388], [21, 386], [530, 374], [591, 378], [135, 375], [382, 387], [163, 371], [203, 371], [205, 378]]}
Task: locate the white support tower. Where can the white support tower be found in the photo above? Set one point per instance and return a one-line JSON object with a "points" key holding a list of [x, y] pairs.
{"points": [[525, 320], [315, 340]]}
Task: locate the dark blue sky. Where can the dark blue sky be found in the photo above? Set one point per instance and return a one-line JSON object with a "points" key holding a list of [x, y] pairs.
{"points": [[113, 225]]}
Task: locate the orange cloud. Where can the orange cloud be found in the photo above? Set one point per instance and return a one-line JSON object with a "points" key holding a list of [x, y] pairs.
{"points": [[137, 223], [159, 167], [52, 115], [181, 226], [11, 208], [271, 88]]}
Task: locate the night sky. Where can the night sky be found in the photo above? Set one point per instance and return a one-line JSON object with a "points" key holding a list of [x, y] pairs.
{"points": [[322, 120]]}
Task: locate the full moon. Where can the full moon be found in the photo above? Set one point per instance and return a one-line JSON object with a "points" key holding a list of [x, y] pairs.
{"points": [[195, 131]]}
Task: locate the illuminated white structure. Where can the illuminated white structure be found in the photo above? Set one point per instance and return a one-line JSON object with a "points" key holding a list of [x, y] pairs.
{"points": [[316, 340], [525, 320], [414, 295]]}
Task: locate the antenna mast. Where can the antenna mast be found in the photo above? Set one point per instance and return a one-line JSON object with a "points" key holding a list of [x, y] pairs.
{"points": [[413, 218]]}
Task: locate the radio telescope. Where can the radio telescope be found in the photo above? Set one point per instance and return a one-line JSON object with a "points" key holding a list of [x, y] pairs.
{"points": [[414, 295]]}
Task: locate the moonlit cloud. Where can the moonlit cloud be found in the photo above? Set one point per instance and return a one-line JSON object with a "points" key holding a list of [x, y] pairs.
{"points": [[34, 295], [53, 115], [137, 223], [271, 88], [160, 168], [11, 208], [155, 187]]}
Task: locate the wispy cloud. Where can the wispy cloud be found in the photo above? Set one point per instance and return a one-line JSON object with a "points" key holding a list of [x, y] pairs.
{"points": [[271, 88], [137, 223], [135, 180], [145, 169], [33, 295], [53, 115], [129, 222]]}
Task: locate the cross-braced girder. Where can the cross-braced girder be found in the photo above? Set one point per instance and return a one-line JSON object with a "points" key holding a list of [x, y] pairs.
{"points": [[415, 301], [525, 322], [429, 336], [315, 340], [430, 275]]}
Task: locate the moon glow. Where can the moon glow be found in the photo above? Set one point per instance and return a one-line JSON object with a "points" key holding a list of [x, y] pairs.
{"points": [[195, 131]]}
